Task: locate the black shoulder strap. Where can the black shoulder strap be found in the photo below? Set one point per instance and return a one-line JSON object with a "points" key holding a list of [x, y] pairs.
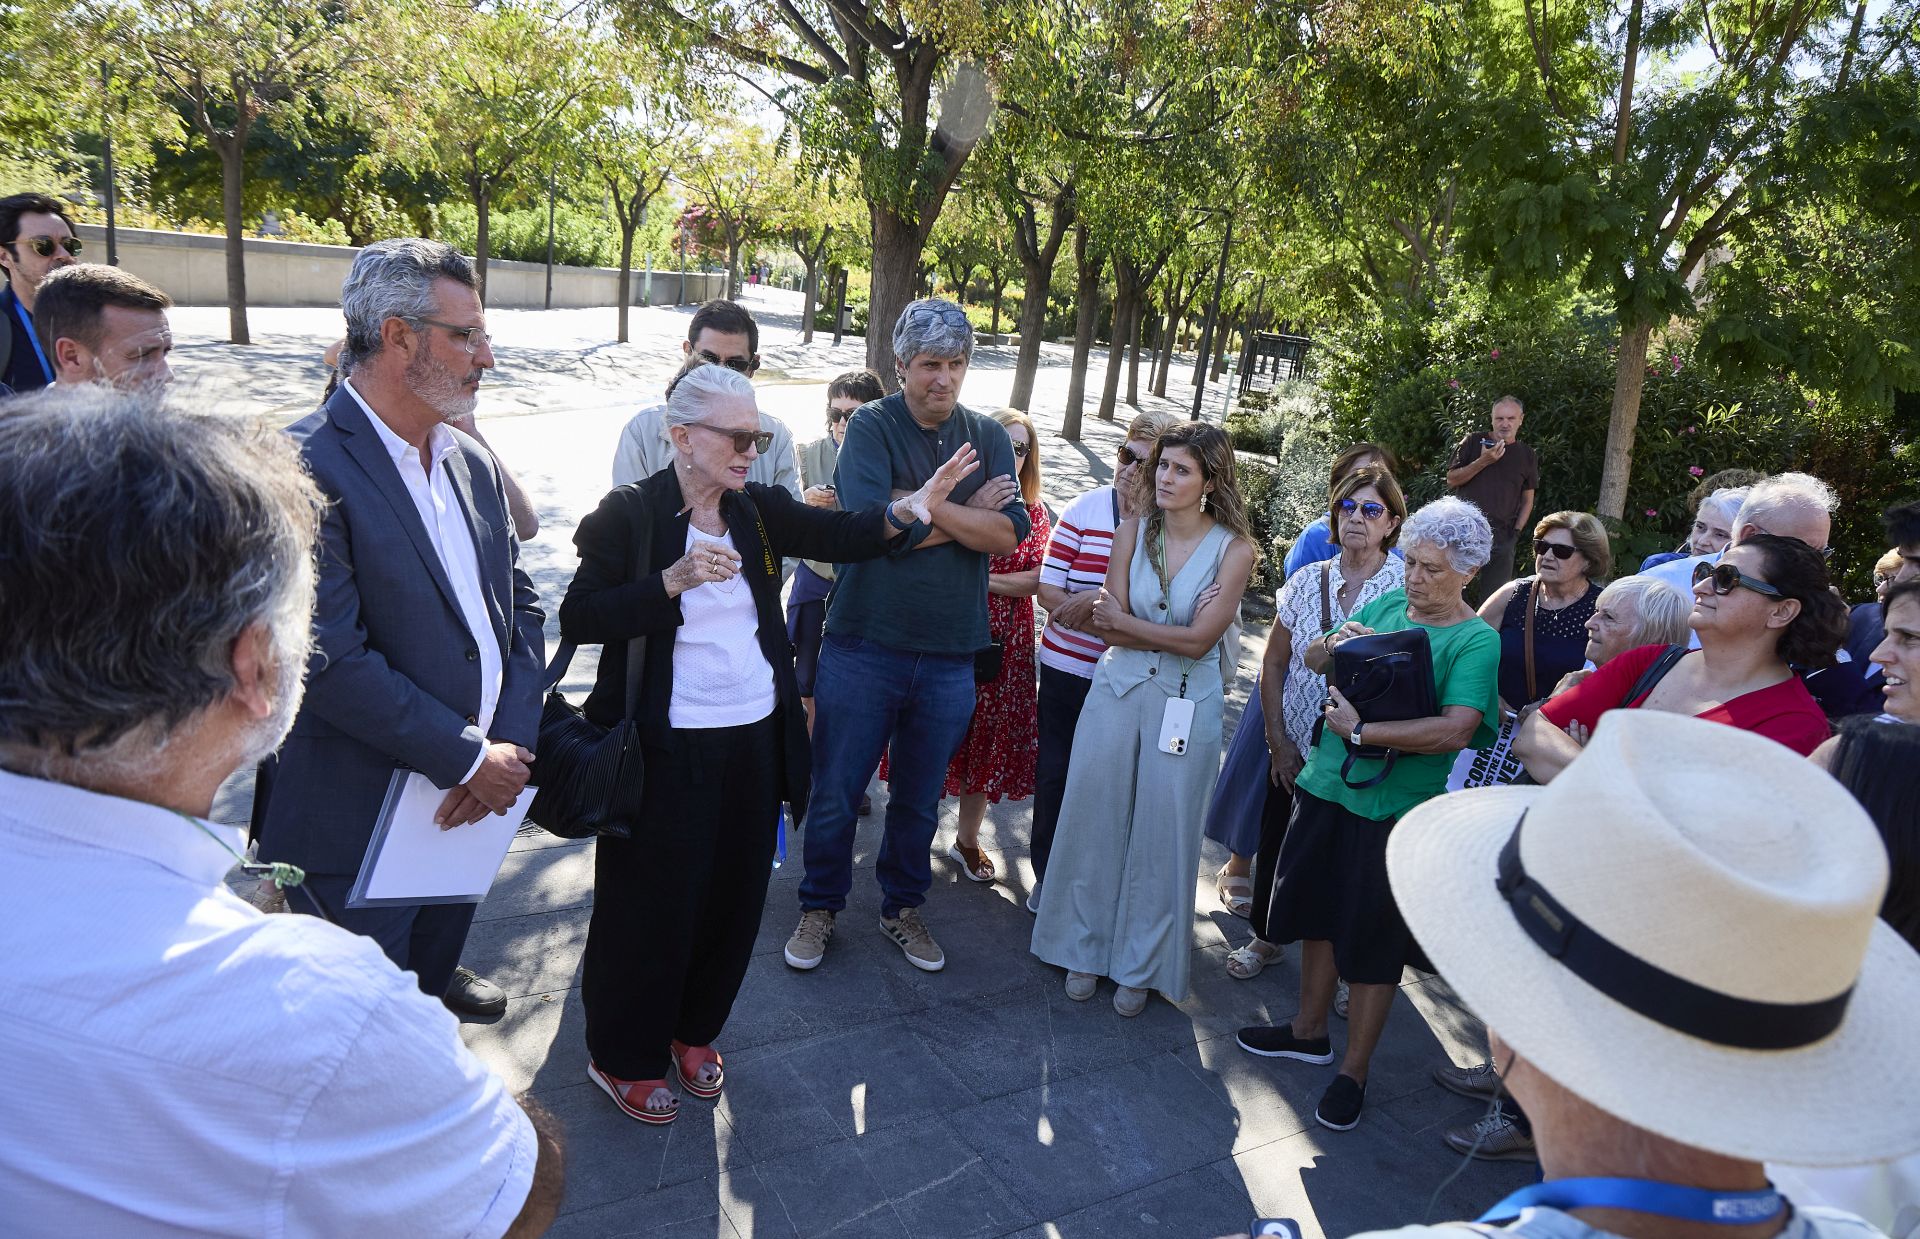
{"points": [[1655, 672]]}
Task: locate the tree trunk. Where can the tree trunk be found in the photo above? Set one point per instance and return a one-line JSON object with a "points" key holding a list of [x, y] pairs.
{"points": [[999, 294], [233, 178], [1221, 336], [482, 208], [1087, 297], [810, 293], [1629, 376], [896, 273], [734, 244], [1037, 255], [626, 272], [1133, 353], [1126, 288], [1169, 331]]}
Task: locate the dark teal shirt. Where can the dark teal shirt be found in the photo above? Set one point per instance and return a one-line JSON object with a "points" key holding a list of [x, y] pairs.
{"points": [[931, 601]]}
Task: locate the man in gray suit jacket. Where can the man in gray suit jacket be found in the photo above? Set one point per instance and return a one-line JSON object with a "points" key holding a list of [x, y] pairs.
{"points": [[428, 649]]}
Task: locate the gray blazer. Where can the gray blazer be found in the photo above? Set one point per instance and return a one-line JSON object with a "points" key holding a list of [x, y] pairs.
{"points": [[394, 676]]}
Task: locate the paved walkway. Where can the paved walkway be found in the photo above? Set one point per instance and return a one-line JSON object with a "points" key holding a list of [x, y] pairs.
{"points": [[867, 1098]]}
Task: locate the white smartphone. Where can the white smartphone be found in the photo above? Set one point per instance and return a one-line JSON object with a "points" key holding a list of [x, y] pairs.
{"points": [[1176, 725]]}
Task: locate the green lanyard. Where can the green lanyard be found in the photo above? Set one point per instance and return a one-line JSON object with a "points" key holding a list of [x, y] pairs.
{"points": [[1166, 596], [284, 875]]}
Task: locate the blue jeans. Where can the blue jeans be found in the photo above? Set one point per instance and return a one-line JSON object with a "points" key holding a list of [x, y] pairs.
{"points": [[865, 696]]}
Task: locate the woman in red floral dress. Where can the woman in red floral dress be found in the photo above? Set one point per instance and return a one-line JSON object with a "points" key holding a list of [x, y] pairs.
{"points": [[995, 761]]}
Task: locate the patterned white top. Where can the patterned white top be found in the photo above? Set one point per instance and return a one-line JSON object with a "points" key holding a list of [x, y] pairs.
{"points": [[1297, 606]]}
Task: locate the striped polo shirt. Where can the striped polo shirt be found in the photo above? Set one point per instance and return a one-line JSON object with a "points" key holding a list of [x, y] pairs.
{"points": [[1077, 561]]}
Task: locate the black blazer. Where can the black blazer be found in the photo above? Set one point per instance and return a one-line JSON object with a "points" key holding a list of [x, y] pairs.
{"points": [[606, 606]]}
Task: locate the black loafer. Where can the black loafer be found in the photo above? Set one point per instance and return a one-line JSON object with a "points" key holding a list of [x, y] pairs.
{"points": [[471, 994], [1278, 1041], [1339, 1108]]}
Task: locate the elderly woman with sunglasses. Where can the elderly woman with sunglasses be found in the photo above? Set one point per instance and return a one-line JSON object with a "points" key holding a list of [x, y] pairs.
{"points": [[723, 736], [1542, 619], [1367, 511], [1765, 608]]}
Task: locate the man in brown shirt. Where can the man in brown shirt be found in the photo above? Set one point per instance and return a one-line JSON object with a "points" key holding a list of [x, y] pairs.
{"points": [[1497, 474]]}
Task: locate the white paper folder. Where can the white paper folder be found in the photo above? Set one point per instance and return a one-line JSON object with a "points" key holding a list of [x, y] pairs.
{"points": [[411, 860]]}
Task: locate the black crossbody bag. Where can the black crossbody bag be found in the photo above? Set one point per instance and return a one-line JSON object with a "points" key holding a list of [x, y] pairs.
{"points": [[588, 779]]}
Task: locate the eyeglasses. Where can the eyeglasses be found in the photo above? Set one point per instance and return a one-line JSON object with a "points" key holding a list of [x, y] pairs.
{"points": [[1130, 457], [739, 365], [758, 440], [1369, 509], [470, 337], [1559, 550], [1020, 449], [44, 246], [1726, 578]]}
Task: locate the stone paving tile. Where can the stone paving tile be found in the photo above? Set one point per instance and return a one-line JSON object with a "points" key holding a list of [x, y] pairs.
{"points": [[685, 1211], [535, 953], [1192, 1205], [1064, 1146], [611, 1157], [920, 1179]]}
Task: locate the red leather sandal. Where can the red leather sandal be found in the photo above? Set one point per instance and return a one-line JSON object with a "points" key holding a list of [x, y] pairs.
{"points": [[632, 1096], [687, 1062]]}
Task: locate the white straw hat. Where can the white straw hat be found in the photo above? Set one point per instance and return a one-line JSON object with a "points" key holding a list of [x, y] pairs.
{"points": [[1719, 974]]}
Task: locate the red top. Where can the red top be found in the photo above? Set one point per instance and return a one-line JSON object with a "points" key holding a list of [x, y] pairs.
{"points": [[1785, 712]]}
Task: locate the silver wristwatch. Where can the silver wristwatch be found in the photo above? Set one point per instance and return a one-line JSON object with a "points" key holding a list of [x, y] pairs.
{"points": [[1355, 737]]}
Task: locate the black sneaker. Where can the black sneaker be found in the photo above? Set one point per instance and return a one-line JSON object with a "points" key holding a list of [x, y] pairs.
{"points": [[1278, 1041], [1339, 1107]]}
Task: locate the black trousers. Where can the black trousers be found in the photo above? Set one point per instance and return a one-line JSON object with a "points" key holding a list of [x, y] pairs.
{"points": [[1499, 569], [676, 907], [1062, 694], [1273, 832]]}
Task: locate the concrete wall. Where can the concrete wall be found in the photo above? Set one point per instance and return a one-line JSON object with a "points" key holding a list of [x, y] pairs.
{"points": [[192, 269]]}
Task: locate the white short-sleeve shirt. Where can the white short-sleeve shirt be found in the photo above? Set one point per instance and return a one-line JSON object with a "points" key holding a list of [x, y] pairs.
{"points": [[178, 1063]]}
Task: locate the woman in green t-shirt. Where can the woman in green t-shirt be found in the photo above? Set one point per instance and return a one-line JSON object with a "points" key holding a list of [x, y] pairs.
{"points": [[1330, 884]]}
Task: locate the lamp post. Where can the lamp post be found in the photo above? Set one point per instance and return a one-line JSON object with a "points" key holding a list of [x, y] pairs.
{"points": [[1213, 316]]}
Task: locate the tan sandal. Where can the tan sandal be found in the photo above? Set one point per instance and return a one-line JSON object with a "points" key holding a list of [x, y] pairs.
{"points": [[976, 863]]}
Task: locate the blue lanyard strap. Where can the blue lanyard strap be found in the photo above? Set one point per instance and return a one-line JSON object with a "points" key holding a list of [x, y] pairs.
{"points": [[1691, 1204], [33, 337]]}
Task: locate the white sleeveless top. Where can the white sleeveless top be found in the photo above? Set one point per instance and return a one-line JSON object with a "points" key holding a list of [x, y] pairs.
{"points": [[720, 677]]}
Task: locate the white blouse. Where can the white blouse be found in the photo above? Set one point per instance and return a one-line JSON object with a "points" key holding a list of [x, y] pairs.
{"points": [[720, 677], [1298, 609]]}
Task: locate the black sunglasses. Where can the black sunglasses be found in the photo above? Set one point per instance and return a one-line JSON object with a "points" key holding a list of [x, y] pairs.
{"points": [[758, 440], [1726, 578], [1130, 457], [44, 246], [739, 365], [1559, 550], [1019, 449], [1369, 509]]}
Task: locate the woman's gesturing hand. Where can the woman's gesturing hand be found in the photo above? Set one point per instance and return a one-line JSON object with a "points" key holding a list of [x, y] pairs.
{"points": [[920, 503], [707, 561]]}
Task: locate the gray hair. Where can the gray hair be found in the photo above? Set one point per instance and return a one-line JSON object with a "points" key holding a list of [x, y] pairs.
{"points": [[394, 279], [1659, 610], [697, 387], [137, 542], [932, 326], [1725, 504], [1783, 492], [1456, 527]]}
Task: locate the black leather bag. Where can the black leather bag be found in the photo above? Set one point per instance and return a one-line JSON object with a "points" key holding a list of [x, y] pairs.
{"points": [[588, 778], [988, 661], [1388, 676]]}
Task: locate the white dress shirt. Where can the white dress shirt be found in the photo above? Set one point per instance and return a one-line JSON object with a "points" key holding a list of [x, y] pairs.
{"points": [[644, 450], [720, 676], [178, 1063], [431, 489]]}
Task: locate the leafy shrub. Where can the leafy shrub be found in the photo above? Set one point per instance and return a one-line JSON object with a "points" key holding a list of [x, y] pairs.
{"points": [[1285, 446], [1420, 383], [580, 238]]}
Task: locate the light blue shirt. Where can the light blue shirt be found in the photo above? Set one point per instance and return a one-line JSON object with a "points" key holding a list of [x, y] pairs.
{"points": [[180, 1063], [1540, 1222]]}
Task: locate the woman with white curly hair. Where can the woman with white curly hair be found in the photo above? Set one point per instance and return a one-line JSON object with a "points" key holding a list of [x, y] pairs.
{"points": [[1330, 884]]}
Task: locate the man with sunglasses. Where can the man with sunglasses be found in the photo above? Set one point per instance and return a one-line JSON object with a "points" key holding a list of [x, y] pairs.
{"points": [[722, 333], [36, 239]]}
